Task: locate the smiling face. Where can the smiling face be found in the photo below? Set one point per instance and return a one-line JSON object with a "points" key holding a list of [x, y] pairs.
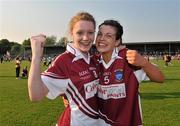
{"points": [[83, 34], [106, 39]]}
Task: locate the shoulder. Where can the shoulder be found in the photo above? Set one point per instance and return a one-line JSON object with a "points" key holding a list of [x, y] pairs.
{"points": [[122, 52], [66, 56], [63, 60]]}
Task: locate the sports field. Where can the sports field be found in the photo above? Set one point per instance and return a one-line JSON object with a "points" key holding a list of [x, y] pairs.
{"points": [[160, 102]]}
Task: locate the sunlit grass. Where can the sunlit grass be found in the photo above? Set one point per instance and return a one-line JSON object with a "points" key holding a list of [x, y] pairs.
{"points": [[160, 102]]}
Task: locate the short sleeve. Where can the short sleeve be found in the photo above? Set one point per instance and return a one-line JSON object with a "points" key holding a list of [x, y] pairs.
{"points": [[56, 78], [55, 86], [141, 75]]}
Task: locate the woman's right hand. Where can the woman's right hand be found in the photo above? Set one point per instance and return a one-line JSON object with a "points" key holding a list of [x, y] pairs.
{"points": [[37, 90], [37, 45]]}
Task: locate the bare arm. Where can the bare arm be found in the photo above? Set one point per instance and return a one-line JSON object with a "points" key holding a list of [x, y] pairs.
{"points": [[152, 71], [37, 90]]}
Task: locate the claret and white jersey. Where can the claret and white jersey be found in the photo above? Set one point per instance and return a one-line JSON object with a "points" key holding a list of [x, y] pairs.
{"points": [[76, 77], [119, 103]]}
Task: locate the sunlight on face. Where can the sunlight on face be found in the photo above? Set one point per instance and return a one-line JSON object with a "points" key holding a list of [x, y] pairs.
{"points": [[83, 34], [106, 39]]}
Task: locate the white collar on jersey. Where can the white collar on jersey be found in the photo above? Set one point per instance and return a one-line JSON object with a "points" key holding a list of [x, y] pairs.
{"points": [[77, 53], [114, 56]]}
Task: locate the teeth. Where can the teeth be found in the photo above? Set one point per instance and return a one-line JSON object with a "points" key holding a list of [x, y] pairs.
{"points": [[101, 44]]}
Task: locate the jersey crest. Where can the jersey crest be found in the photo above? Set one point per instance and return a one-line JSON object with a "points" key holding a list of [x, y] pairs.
{"points": [[118, 75]]}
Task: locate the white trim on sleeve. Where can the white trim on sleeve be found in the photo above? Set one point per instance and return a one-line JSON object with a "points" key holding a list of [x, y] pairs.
{"points": [[141, 75], [55, 86]]}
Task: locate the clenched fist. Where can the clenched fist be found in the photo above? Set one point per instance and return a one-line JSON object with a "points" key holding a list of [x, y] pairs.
{"points": [[37, 45], [135, 58]]}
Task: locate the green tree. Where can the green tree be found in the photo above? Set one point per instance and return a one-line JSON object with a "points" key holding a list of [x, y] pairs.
{"points": [[4, 46], [16, 49], [62, 42], [26, 42], [51, 40]]}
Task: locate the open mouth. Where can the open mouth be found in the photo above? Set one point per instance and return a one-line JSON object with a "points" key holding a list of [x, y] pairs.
{"points": [[101, 44]]}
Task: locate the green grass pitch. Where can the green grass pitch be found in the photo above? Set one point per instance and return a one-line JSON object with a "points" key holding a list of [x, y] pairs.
{"points": [[160, 102]]}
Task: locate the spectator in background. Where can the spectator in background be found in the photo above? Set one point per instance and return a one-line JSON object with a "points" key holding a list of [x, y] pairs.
{"points": [[49, 59], [25, 72], [167, 60], [29, 58], [1, 59], [18, 67], [44, 61]]}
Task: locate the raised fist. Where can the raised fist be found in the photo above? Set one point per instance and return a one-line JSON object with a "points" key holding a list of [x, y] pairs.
{"points": [[37, 45], [135, 58]]}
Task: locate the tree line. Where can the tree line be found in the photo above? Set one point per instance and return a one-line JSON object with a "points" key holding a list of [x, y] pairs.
{"points": [[16, 48]]}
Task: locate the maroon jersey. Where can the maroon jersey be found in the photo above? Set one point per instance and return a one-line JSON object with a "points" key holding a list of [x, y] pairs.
{"points": [[73, 75], [119, 103]]}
